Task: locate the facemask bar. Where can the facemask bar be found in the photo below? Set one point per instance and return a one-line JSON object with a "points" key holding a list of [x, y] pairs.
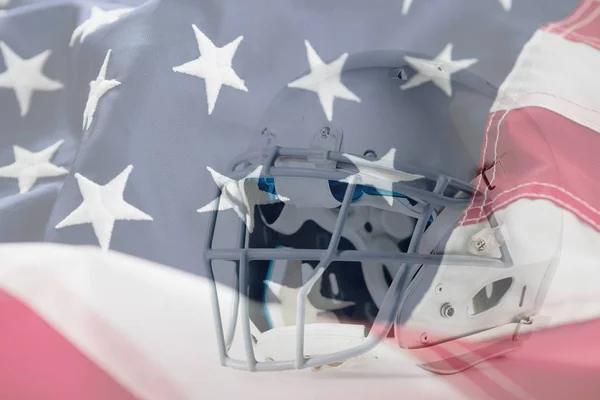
{"points": [[395, 297]]}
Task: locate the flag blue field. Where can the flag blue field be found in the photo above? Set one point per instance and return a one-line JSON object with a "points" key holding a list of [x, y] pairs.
{"points": [[105, 94]]}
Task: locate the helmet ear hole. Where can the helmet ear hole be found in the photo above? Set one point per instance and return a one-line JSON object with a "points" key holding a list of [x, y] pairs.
{"points": [[490, 296]]}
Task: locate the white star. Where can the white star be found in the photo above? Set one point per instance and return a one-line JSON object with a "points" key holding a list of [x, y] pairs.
{"points": [[380, 173], [98, 18], [103, 205], [284, 313], [98, 88], [241, 196], [506, 4], [438, 70], [25, 76], [325, 80], [214, 66], [29, 166]]}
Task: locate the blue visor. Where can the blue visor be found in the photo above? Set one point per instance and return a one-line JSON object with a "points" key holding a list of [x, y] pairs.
{"points": [[338, 190]]}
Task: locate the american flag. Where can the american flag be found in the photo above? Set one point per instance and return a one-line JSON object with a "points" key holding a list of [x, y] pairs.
{"points": [[109, 118]]}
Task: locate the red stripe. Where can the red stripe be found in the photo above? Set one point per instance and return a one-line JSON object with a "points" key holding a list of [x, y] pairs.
{"points": [[38, 363], [552, 364], [582, 26], [538, 154], [559, 363], [541, 155], [119, 351]]}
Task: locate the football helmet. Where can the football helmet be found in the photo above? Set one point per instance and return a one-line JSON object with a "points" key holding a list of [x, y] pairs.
{"points": [[353, 228]]}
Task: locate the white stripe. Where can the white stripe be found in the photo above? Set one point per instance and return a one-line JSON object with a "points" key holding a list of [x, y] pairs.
{"points": [[79, 292], [166, 315], [557, 74]]}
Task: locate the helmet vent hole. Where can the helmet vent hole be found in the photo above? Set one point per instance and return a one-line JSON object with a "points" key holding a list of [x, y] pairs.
{"points": [[398, 73], [490, 296], [522, 300], [370, 153], [368, 227]]}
